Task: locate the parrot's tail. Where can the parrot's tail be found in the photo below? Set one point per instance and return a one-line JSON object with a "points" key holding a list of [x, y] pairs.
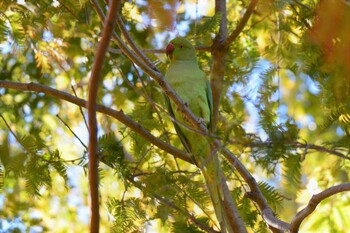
{"points": [[212, 175]]}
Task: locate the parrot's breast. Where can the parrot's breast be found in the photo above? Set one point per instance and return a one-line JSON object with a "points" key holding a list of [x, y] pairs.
{"points": [[189, 82]]}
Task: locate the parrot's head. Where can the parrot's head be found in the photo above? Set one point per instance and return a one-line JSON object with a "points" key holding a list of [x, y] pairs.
{"points": [[180, 49]]}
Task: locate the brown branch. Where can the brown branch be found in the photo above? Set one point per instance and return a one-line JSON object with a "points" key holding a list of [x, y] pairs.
{"points": [[93, 175], [314, 201], [241, 24], [234, 218], [320, 149], [153, 51], [219, 55], [305, 146], [146, 51], [256, 195], [132, 44], [119, 115]]}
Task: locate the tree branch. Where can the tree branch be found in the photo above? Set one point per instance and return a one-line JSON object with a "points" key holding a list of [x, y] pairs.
{"points": [[256, 195], [153, 51], [132, 44], [234, 218], [241, 24], [93, 175], [305, 146], [314, 201], [119, 115], [219, 56]]}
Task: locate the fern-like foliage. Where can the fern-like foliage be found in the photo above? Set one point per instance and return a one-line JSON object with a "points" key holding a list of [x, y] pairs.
{"points": [[34, 164], [128, 215], [112, 153], [292, 170], [337, 115], [273, 198], [185, 227], [207, 26]]}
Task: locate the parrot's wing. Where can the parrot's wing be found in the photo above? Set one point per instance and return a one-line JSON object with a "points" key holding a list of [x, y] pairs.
{"points": [[210, 102], [178, 130]]}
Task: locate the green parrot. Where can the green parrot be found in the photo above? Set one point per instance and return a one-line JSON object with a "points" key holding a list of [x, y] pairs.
{"points": [[192, 86]]}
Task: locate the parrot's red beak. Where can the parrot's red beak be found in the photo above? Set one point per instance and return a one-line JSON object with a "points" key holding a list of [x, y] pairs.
{"points": [[169, 50]]}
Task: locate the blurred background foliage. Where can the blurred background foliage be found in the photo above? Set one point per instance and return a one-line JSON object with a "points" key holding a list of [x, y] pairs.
{"points": [[285, 112]]}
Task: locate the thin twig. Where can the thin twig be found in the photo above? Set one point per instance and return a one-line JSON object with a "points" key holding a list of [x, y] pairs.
{"points": [[242, 23], [298, 145], [11, 131], [80, 109], [255, 193], [70, 129]]}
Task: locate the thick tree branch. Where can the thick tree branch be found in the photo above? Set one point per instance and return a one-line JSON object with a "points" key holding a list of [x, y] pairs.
{"points": [[241, 24], [255, 194], [219, 56], [92, 121], [314, 201], [119, 115], [231, 209]]}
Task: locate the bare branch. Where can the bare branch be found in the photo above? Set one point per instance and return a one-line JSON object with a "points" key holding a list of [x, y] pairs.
{"points": [[314, 201], [255, 194], [231, 210], [80, 109], [242, 23], [72, 132], [220, 8], [132, 44], [109, 23], [153, 51], [219, 55], [119, 115], [305, 146]]}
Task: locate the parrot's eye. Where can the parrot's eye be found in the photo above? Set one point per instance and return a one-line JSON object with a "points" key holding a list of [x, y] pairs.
{"points": [[181, 46]]}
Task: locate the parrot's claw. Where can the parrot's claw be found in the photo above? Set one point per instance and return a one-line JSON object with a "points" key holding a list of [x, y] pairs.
{"points": [[202, 121]]}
